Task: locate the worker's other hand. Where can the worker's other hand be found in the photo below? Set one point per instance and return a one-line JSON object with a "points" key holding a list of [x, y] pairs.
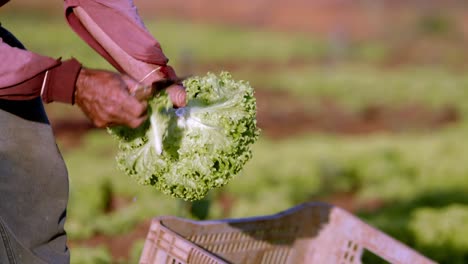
{"points": [[104, 97]]}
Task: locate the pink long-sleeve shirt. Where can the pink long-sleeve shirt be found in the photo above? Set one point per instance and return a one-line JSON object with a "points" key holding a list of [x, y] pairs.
{"points": [[25, 74]]}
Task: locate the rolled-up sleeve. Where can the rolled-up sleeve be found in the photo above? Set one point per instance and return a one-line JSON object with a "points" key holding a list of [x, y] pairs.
{"points": [[22, 72], [19, 65], [25, 75], [121, 22]]}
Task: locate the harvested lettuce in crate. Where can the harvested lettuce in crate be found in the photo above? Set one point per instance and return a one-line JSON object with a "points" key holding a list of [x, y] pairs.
{"points": [[188, 151]]}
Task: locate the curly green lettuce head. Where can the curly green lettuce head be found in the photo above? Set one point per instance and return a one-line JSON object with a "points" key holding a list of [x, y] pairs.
{"points": [[188, 151]]}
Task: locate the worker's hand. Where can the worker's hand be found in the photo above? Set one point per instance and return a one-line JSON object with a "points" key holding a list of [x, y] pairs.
{"points": [[176, 91], [105, 98]]}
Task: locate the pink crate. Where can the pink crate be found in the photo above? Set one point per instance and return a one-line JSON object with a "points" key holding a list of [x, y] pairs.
{"points": [[308, 233]]}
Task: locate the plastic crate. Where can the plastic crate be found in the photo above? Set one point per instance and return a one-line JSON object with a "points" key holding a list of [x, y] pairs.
{"points": [[308, 233]]}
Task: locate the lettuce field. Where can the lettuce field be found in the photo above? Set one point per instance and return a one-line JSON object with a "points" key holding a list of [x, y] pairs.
{"points": [[340, 124]]}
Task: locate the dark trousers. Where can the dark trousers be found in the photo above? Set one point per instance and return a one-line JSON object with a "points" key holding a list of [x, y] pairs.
{"points": [[33, 184]]}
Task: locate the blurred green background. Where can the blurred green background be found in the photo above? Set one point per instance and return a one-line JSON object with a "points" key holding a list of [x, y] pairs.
{"points": [[362, 104]]}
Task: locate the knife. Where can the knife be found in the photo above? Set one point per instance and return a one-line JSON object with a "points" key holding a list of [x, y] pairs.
{"points": [[157, 86]]}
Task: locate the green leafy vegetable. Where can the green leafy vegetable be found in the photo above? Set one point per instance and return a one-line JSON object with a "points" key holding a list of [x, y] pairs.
{"points": [[186, 152]]}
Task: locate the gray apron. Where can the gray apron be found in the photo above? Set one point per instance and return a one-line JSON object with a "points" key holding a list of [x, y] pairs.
{"points": [[33, 185]]}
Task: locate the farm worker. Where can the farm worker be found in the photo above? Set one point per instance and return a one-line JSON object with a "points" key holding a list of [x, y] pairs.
{"points": [[33, 177]]}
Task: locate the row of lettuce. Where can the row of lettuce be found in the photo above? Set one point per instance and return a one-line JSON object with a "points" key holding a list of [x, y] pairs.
{"points": [[413, 185], [418, 181]]}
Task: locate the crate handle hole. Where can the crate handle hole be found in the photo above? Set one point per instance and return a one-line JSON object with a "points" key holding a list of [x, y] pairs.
{"points": [[368, 257]]}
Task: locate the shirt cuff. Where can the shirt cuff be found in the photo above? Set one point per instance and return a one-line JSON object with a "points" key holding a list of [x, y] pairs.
{"points": [[168, 72], [59, 82]]}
